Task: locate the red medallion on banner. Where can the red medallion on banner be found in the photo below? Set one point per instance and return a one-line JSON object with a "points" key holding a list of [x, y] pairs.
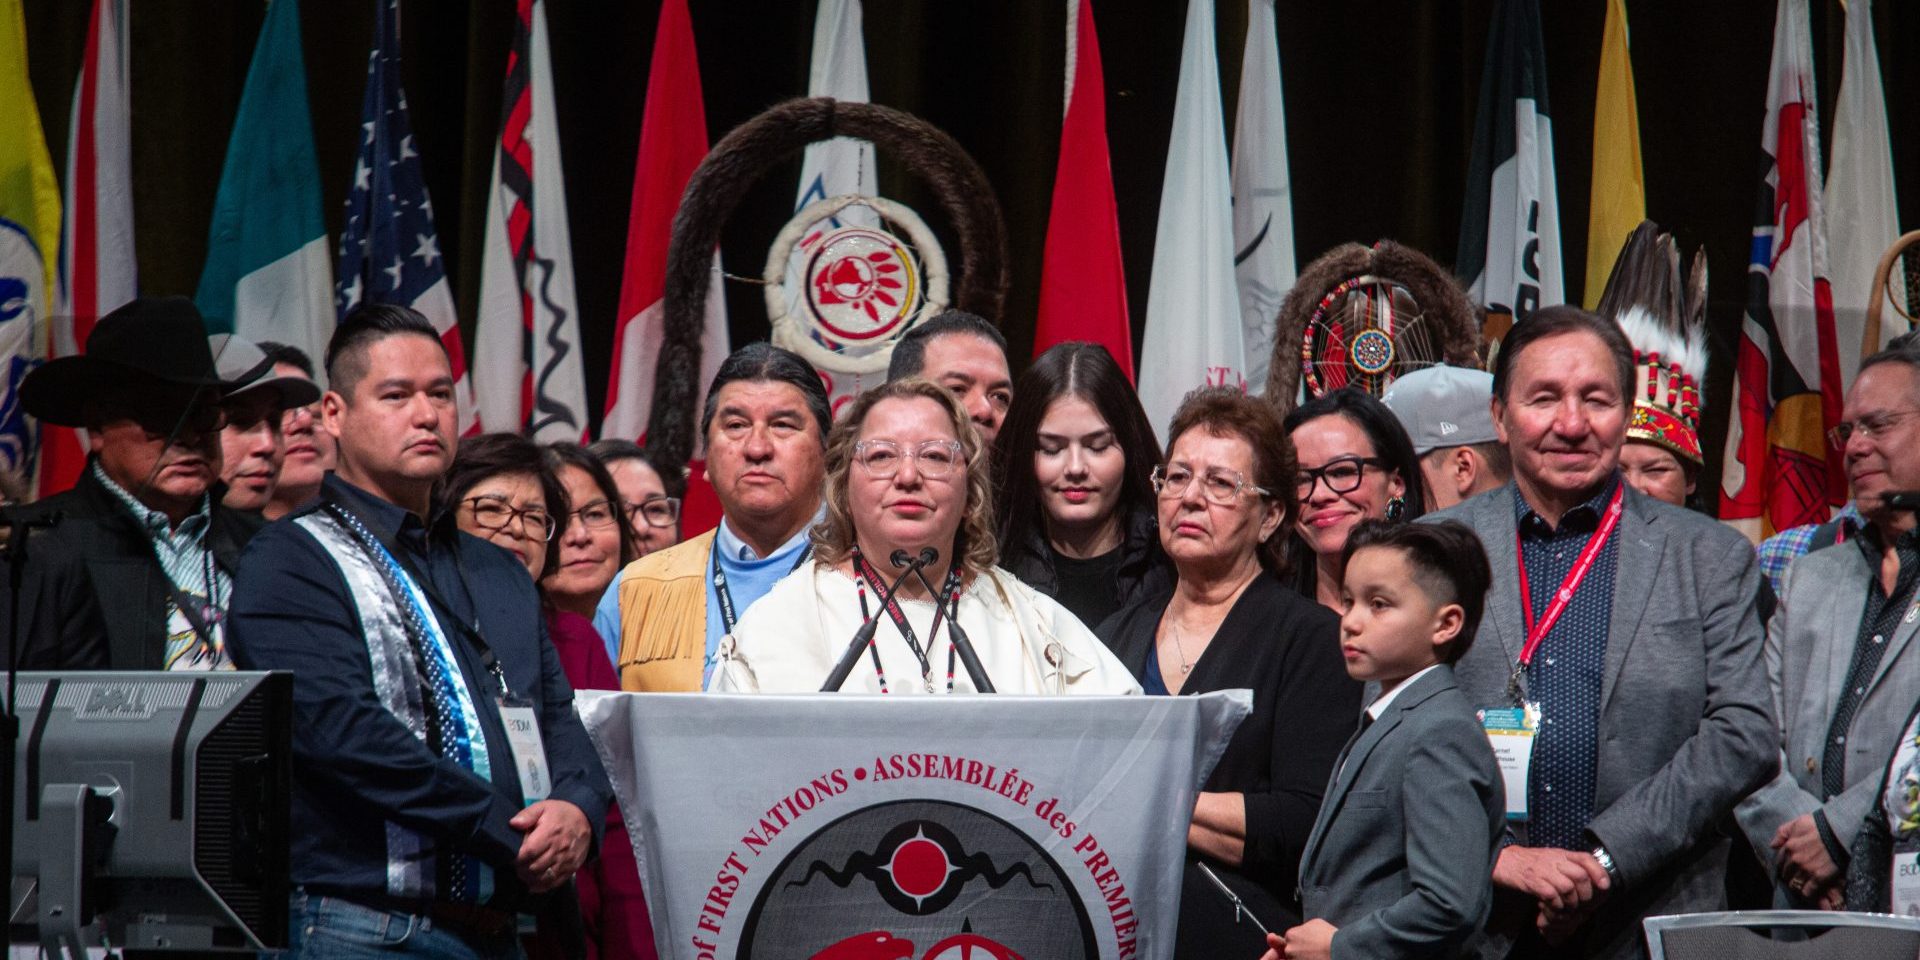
{"points": [[881, 882]]}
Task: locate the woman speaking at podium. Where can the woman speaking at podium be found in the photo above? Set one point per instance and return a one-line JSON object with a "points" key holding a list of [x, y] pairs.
{"points": [[902, 584]]}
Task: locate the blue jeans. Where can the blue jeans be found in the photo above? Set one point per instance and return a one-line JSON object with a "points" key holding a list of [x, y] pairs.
{"points": [[329, 928]]}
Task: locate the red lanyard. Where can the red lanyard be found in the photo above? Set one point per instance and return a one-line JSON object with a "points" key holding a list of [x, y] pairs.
{"points": [[1537, 630]]}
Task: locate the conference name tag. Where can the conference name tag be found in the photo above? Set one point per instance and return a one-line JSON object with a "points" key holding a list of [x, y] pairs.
{"points": [[529, 752], [1906, 881], [1510, 730]]}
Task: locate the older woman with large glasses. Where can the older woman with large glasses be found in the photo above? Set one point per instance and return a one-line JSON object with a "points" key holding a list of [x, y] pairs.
{"points": [[500, 490], [553, 509], [907, 481], [1229, 621], [1355, 463]]}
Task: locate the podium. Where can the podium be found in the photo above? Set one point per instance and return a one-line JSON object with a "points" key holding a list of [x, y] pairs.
{"points": [[823, 827]]}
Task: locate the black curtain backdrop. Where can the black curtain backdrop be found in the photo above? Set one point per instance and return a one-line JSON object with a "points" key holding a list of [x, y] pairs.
{"points": [[1380, 97]]}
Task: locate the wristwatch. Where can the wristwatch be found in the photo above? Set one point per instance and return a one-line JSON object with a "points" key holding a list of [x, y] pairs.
{"points": [[1605, 860]]}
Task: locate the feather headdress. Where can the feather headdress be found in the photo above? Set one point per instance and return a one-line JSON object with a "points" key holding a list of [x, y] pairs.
{"points": [[1664, 318]]}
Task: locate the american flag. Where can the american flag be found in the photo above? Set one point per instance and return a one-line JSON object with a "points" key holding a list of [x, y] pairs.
{"points": [[389, 252]]}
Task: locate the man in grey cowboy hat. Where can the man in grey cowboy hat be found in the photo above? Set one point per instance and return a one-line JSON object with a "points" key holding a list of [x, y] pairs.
{"points": [[136, 568]]}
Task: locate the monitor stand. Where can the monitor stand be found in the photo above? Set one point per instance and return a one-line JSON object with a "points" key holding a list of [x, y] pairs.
{"points": [[76, 817]]}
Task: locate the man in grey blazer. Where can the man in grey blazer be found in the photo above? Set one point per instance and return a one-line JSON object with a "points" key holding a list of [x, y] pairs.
{"points": [[1648, 675], [1844, 678]]}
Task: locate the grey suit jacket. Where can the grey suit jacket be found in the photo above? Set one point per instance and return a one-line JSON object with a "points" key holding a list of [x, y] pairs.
{"points": [[1810, 644], [1401, 856], [1686, 727]]}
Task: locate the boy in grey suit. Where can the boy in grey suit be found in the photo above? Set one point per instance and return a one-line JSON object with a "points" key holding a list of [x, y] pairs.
{"points": [[1400, 861]]}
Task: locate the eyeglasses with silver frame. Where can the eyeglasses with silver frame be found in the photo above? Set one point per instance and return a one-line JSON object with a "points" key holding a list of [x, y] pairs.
{"points": [[1218, 484], [931, 458], [1870, 426]]}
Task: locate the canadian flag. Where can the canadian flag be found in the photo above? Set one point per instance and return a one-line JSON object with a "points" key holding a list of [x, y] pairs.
{"points": [[96, 242], [673, 141]]}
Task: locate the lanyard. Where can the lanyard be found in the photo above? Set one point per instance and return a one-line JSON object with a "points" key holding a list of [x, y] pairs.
{"points": [[725, 595], [865, 573], [1537, 630]]}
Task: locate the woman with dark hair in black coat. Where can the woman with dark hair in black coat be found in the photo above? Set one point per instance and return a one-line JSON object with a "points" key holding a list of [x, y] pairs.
{"points": [[1071, 473], [1225, 620]]}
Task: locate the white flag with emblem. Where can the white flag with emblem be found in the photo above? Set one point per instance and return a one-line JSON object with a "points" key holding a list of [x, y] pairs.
{"points": [[1862, 209], [843, 165], [1262, 194], [1193, 335]]}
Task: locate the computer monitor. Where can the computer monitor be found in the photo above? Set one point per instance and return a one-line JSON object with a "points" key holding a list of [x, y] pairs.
{"points": [[150, 809]]}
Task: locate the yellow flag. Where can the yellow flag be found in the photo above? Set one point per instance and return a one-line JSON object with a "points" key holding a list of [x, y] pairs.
{"points": [[1619, 198], [29, 195]]}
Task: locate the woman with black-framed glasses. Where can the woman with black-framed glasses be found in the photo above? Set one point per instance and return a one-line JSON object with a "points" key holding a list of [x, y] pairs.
{"points": [[1228, 620], [1355, 463], [502, 492], [595, 542], [649, 496]]}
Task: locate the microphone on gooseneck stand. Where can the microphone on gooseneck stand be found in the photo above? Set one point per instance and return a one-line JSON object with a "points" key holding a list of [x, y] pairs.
{"points": [[976, 671], [864, 636]]}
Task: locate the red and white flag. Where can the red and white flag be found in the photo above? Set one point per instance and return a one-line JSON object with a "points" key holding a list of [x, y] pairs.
{"points": [[96, 242], [527, 373], [1780, 471], [1083, 285], [673, 141], [1194, 335]]}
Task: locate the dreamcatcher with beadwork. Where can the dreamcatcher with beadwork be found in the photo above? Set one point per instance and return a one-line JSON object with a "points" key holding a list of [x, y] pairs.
{"points": [[1362, 317]]}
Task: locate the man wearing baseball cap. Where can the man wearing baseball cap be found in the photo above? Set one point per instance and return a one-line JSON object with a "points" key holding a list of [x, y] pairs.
{"points": [[252, 448], [136, 564], [1447, 412]]}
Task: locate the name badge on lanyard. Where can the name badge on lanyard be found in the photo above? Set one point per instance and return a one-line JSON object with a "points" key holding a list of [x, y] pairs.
{"points": [[1511, 729], [529, 751]]}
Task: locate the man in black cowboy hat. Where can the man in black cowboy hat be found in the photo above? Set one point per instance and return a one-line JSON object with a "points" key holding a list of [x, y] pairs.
{"points": [[136, 569]]}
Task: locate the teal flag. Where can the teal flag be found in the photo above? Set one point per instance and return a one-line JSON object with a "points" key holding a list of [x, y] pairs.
{"points": [[269, 272]]}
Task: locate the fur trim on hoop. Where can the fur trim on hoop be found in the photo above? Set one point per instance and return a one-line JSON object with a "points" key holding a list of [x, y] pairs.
{"points": [[737, 162], [1440, 298]]}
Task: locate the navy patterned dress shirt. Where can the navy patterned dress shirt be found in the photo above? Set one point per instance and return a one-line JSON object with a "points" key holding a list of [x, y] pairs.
{"points": [[1568, 668]]}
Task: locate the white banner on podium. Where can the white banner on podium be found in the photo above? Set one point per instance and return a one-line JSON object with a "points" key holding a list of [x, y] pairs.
{"points": [[926, 828]]}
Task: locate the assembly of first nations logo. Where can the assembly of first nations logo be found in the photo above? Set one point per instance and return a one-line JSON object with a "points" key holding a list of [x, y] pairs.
{"points": [[918, 880]]}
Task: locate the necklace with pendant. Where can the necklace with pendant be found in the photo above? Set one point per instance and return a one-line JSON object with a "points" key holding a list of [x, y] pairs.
{"points": [[1186, 666]]}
